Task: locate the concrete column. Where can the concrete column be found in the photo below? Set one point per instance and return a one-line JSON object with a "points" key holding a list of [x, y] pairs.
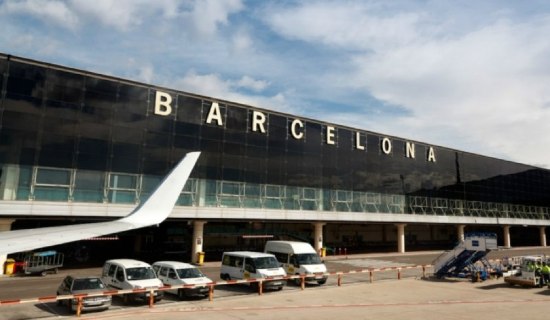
{"points": [[460, 232], [198, 240], [542, 236], [318, 236], [401, 237], [5, 225], [506, 231]]}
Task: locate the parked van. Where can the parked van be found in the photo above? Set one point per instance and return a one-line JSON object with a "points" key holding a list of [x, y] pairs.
{"points": [[123, 274], [174, 273], [252, 265], [298, 258]]}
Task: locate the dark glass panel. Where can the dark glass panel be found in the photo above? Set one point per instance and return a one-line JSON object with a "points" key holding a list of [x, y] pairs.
{"points": [[131, 106], [155, 167], [191, 143], [189, 115], [236, 125], [26, 80], [55, 158], [232, 168], [157, 140], [100, 93], [92, 161], [58, 125], [126, 150], [187, 129], [212, 133], [127, 135], [122, 163], [20, 121], [160, 124], [63, 86]]}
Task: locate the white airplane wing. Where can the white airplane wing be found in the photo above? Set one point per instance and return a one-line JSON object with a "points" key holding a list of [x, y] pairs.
{"points": [[153, 211]]}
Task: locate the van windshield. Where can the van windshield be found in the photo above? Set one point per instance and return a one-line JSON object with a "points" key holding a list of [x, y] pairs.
{"points": [[189, 273], [140, 273], [266, 263], [308, 258]]}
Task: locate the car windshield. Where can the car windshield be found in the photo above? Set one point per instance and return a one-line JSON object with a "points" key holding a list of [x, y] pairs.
{"points": [[88, 284], [266, 263], [141, 273], [308, 258], [189, 273]]}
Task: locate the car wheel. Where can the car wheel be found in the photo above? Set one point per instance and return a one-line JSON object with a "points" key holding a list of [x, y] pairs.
{"points": [[322, 281], [181, 294]]}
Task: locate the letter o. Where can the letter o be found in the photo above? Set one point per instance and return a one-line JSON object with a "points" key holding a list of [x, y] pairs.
{"points": [[386, 145]]}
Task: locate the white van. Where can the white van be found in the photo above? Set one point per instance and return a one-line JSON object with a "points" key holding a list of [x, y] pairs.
{"points": [[252, 265], [123, 274], [298, 258], [174, 273]]}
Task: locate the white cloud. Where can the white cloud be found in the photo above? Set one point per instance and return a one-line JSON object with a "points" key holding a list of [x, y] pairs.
{"points": [[250, 83], [343, 24], [483, 90], [207, 15], [213, 85], [49, 12]]}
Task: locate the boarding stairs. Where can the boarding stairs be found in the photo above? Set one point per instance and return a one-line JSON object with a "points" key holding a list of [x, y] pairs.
{"points": [[463, 258]]}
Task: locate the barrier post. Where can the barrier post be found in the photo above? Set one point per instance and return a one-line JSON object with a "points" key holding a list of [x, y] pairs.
{"points": [[260, 288], [423, 271], [398, 273], [339, 279], [346, 252], [302, 282], [78, 306], [151, 298], [371, 277], [211, 292]]}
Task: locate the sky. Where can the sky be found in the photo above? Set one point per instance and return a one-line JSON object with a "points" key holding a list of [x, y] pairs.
{"points": [[468, 75]]}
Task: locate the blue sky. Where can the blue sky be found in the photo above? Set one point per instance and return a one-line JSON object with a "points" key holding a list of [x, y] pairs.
{"points": [[470, 75]]}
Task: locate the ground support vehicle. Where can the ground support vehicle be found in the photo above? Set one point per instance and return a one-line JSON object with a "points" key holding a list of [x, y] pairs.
{"points": [[298, 258], [43, 262], [240, 265], [468, 258], [129, 274], [528, 275], [174, 273]]}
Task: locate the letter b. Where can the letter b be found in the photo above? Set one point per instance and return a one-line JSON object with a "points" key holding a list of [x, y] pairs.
{"points": [[162, 103]]}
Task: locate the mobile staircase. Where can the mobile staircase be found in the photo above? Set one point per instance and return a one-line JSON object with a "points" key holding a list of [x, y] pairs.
{"points": [[463, 260]]}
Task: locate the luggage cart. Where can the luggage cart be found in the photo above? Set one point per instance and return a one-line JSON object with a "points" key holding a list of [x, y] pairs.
{"points": [[43, 263]]}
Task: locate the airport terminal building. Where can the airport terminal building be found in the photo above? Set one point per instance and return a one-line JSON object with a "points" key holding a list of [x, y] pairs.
{"points": [[76, 147]]}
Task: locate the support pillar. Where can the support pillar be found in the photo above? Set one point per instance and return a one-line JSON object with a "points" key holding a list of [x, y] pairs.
{"points": [[318, 236], [198, 232], [460, 232], [542, 236], [401, 237], [5, 225], [506, 232]]}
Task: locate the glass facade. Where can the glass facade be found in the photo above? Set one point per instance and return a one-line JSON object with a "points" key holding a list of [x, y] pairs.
{"points": [[69, 135]]}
